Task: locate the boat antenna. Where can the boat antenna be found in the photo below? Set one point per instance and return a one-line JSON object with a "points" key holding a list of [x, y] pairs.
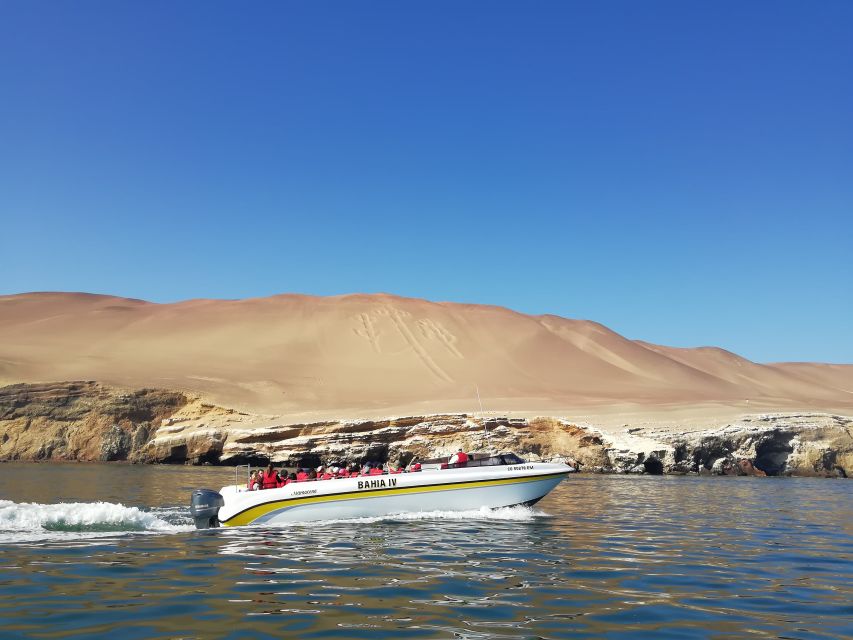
{"points": [[485, 423]]}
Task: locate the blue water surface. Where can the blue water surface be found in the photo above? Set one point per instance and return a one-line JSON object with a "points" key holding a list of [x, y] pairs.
{"points": [[601, 557]]}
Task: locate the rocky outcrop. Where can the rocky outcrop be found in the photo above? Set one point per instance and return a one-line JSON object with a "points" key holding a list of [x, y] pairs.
{"points": [[203, 437], [90, 421], [783, 444], [779, 444], [80, 420]]}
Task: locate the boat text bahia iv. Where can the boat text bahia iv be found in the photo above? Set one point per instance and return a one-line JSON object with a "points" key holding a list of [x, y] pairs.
{"points": [[483, 481]]}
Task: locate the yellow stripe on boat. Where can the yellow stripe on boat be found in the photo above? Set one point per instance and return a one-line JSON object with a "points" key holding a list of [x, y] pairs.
{"points": [[253, 513]]}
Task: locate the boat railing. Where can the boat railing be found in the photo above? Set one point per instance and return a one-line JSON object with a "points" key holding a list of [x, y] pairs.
{"points": [[475, 460], [237, 482], [490, 461]]}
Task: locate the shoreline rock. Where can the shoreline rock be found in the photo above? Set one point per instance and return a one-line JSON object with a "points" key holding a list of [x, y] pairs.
{"points": [[89, 421]]}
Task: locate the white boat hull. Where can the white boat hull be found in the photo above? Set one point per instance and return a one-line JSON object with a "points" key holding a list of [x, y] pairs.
{"points": [[372, 496]]}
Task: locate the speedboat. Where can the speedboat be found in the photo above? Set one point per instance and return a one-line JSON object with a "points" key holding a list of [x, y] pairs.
{"points": [[490, 481]]}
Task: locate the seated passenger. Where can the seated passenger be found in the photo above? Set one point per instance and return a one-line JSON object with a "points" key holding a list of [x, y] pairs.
{"points": [[365, 470], [415, 467], [253, 484], [395, 469], [269, 479], [301, 475], [376, 471], [460, 458], [312, 475], [291, 478]]}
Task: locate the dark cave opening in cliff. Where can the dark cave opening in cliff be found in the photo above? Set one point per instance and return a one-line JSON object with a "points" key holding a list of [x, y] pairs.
{"points": [[309, 461], [177, 455], [406, 458], [376, 454], [771, 456], [653, 466], [209, 457]]}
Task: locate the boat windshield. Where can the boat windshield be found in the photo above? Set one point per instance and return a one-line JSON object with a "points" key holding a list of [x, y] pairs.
{"points": [[475, 460], [490, 461]]}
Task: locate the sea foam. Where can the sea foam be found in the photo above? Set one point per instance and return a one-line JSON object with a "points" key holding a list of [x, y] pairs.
{"points": [[80, 517]]}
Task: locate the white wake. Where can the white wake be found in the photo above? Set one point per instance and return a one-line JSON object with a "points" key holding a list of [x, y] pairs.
{"points": [[28, 520]]}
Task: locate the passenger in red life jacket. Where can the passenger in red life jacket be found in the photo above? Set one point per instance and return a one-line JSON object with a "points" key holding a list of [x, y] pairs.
{"points": [[253, 484], [282, 478], [376, 471], [365, 470], [301, 476], [269, 480], [460, 458], [397, 469], [416, 467]]}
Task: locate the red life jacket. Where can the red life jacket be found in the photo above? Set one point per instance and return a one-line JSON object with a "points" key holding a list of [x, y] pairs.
{"points": [[326, 476], [376, 471], [270, 481], [398, 470], [301, 476], [462, 457]]}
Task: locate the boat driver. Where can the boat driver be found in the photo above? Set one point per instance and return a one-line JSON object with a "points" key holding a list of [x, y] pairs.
{"points": [[460, 458]]}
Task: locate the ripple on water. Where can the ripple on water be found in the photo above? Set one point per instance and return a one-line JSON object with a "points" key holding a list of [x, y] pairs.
{"points": [[601, 557]]}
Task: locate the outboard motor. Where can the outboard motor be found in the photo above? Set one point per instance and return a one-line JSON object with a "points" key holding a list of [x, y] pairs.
{"points": [[204, 508]]}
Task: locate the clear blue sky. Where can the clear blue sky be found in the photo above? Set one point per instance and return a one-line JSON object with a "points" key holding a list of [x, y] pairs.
{"points": [[680, 171]]}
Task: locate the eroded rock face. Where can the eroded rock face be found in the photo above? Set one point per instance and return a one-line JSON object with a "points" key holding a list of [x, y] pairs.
{"points": [[235, 439], [90, 421], [812, 445], [817, 445], [79, 420]]}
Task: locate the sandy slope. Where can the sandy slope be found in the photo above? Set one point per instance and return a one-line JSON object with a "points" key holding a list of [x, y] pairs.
{"points": [[361, 355]]}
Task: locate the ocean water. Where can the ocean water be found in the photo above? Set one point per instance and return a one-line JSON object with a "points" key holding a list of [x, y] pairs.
{"points": [[109, 551]]}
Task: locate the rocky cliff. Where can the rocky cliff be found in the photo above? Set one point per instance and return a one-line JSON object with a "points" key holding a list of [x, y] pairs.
{"points": [[80, 420], [90, 421]]}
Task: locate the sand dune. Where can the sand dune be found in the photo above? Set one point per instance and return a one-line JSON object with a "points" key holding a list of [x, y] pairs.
{"points": [[377, 354]]}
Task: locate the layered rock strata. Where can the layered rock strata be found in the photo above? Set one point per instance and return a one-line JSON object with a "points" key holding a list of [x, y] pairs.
{"points": [[80, 420], [89, 421]]}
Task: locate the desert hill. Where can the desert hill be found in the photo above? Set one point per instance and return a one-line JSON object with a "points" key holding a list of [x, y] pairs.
{"points": [[382, 354]]}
